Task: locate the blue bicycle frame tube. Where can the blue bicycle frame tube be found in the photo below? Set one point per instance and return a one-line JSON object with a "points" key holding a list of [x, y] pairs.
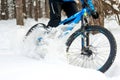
{"points": [[73, 20], [76, 17]]}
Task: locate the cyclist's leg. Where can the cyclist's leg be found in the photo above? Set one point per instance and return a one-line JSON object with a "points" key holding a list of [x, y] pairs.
{"points": [[55, 13], [70, 8]]}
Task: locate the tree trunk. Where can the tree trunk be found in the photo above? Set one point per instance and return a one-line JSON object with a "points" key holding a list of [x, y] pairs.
{"points": [[46, 9], [40, 10], [0, 12], [30, 8], [4, 10], [36, 10], [14, 3], [19, 12], [24, 9]]}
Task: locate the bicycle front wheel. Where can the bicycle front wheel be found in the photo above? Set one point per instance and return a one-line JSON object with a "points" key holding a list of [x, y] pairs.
{"points": [[102, 49]]}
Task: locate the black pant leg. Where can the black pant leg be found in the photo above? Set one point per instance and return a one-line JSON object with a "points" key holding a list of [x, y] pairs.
{"points": [[55, 13], [70, 8]]}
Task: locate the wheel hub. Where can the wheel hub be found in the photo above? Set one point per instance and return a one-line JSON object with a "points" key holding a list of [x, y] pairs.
{"points": [[87, 52]]}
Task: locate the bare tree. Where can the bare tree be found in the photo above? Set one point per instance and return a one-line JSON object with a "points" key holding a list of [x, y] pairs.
{"points": [[30, 8], [40, 9], [36, 10], [105, 8], [14, 5], [24, 8], [4, 9], [112, 7], [46, 9], [19, 12]]}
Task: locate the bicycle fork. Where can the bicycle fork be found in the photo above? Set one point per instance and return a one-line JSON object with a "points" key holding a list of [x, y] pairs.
{"points": [[86, 45], [85, 41]]}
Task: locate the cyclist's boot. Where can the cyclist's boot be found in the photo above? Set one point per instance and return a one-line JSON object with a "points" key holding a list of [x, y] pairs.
{"points": [[50, 29]]}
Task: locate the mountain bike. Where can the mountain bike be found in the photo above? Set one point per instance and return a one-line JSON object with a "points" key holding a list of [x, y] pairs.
{"points": [[90, 46]]}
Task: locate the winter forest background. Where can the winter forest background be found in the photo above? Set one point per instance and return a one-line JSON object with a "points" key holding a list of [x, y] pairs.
{"points": [[23, 9], [19, 64]]}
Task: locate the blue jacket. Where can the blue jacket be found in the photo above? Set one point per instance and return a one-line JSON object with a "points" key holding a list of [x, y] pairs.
{"points": [[82, 1]]}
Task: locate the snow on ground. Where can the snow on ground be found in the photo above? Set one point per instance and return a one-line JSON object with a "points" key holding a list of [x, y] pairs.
{"points": [[14, 65]]}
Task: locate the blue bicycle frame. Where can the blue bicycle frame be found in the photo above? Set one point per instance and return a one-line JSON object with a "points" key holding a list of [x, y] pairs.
{"points": [[76, 18]]}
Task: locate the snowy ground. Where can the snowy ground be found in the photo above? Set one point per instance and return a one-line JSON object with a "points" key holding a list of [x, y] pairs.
{"points": [[14, 65]]}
